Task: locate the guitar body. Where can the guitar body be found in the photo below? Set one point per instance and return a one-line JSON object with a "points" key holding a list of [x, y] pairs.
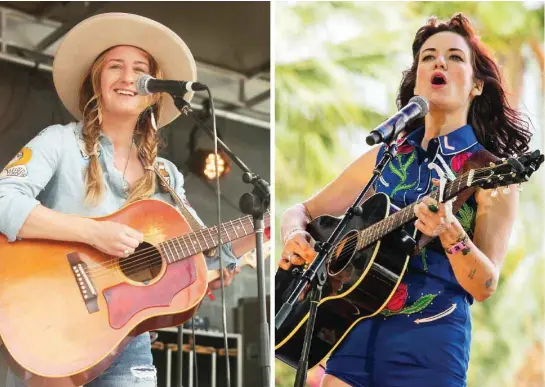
{"points": [[54, 336], [359, 284]]}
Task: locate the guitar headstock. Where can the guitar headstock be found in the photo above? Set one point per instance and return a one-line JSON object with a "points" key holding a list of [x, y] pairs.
{"points": [[514, 170]]}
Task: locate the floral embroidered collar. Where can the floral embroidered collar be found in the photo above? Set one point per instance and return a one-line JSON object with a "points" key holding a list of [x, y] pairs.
{"points": [[455, 142]]}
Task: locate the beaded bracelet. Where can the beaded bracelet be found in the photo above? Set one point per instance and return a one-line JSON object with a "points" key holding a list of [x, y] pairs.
{"points": [[294, 231]]}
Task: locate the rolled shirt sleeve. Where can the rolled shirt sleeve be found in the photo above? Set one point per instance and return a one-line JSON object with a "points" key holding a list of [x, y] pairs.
{"points": [[229, 259], [25, 176]]}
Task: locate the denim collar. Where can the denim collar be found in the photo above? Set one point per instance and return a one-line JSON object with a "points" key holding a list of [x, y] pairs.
{"points": [[452, 143]]}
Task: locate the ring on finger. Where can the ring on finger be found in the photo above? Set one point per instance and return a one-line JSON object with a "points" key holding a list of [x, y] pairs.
{"points": [[127, 252], [433, 208]]}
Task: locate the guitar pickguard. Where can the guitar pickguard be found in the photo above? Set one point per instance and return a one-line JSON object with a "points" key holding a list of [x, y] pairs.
{"points": [[125, 300]]}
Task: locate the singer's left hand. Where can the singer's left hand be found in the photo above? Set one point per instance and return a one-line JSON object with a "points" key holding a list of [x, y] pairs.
{"points": [[436, 219]]}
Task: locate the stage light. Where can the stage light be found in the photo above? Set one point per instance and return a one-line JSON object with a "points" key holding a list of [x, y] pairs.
{"points": [[202, 163]]}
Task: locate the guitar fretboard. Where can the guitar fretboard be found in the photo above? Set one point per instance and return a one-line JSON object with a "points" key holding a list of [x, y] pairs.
{"points": [[204, 239], [378, 230]]}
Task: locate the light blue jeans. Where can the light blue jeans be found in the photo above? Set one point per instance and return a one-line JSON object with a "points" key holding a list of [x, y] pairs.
{"points": [[133, 367]]}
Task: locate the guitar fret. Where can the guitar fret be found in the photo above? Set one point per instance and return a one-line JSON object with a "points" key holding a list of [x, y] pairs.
{"points": [[186, 245], [177, 240], [211, 237], [226, 232], [236, 233], [244, 228], [170, 248], [189, 242], [195, 238], [176, 253], [204, 239]]}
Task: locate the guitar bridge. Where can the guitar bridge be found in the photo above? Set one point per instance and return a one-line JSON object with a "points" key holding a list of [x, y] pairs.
{"points": [[85, 286]]}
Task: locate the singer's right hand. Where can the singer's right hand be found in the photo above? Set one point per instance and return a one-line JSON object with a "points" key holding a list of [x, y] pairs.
{"points": [[298, 250]]}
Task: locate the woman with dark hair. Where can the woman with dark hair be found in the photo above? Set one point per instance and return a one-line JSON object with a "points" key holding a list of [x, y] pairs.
{"points": [[422, 337]]}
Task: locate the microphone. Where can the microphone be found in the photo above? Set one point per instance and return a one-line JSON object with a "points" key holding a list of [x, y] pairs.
{"points": [[416, 108], [146, 84]]}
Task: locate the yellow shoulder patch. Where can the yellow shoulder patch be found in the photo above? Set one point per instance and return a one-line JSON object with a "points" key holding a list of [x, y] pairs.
{"points": [[17, 166]]}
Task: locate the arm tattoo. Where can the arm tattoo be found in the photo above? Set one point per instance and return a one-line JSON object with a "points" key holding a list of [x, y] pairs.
{"points": [[472, 273], [488, 283]]}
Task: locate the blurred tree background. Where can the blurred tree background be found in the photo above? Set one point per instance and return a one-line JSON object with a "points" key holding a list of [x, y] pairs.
{"points": [[338, 68]]}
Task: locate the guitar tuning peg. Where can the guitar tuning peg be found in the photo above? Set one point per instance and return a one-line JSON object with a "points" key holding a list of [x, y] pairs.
{"points": [[506, 191], [492, 164], [494, 193]]}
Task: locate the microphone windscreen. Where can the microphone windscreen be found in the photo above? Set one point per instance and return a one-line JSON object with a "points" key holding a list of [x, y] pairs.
{"points": [[141, 84], [423, 103]]}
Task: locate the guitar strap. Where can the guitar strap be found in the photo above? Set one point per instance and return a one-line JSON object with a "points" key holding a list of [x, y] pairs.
{"points": [[162, 174]]}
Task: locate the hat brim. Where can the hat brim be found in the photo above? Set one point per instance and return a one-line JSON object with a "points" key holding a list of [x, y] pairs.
{"points": [[87, 40]]}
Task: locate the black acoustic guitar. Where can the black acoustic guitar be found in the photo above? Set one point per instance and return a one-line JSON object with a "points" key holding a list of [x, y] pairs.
{"points": [[366, 266]]}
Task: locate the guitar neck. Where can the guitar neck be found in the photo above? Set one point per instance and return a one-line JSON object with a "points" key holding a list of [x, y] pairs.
{"points": [[207, 238], [378, 230]]}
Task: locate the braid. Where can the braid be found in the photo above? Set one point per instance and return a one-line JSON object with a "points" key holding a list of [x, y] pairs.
{"points": [[146, 138], [147, 146], [91, 129]]}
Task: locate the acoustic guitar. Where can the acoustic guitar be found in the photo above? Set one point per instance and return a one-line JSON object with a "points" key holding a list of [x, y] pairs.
{"points": [[367, 265], [67, 310]]}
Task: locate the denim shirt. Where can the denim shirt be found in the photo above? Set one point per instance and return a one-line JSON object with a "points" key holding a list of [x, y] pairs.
{"points": [[50, 170], [408, 178]]}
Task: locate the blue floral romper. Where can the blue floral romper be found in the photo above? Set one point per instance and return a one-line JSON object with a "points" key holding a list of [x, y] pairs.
{"points": [[422, 338]]}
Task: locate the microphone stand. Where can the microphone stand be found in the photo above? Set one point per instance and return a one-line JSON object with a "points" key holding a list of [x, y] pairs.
{"points": [[255, 204], [316, 276]]}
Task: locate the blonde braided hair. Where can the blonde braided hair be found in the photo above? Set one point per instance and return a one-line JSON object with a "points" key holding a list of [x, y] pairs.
{"points": [[146, 138]]}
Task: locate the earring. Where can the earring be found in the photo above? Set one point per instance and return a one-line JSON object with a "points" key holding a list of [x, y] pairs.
{"points": [[153, 123], [99, 112]]}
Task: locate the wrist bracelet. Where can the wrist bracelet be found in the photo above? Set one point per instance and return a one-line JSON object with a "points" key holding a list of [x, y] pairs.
{"points": [[295, 230], [460, 246]]}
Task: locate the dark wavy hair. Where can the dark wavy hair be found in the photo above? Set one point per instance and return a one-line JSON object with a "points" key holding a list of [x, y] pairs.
{"points": [[500, 128]]}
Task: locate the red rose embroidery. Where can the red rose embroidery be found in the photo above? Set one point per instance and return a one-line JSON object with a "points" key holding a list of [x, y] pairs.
{"points": [[398, 299], [459, 160], [404, 149]]}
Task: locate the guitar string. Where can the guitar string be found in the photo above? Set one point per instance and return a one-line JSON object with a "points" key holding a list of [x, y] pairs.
{"points": [[353, 240], [185, 237], [349, 243], [145, 254], [135, 264]]}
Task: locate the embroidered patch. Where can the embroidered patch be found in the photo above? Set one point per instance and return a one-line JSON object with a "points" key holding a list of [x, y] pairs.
{"points": [[416, 307], [402, 173], [466, 216], [17, 166]]}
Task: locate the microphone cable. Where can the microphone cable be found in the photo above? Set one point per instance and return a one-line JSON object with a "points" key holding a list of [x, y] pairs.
{"points": [[220, 254]]}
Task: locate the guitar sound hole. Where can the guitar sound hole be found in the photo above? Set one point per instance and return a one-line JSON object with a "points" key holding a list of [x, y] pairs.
{"points": [[343, 253], [144, 265]]}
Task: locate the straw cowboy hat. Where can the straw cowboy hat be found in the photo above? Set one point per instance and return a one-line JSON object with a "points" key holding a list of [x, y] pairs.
{"points": [[87, 40]]}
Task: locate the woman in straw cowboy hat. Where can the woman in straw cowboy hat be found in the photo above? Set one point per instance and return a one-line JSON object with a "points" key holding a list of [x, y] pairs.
{"points": [[94, 167]]}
